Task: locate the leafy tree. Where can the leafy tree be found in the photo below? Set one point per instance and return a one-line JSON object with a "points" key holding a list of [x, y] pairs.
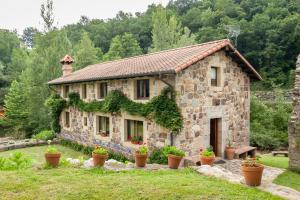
{"points": [[19, 62], [47, 15], [122, 47], [168, 34], [8, 41], [85, 52], [28, 36]]}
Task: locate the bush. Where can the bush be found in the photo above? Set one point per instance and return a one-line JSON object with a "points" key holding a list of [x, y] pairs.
{"points": [[15, 162], [269, 123], [51, 150], [100, 151], [160, 156], [44, 135], [173, 150]]}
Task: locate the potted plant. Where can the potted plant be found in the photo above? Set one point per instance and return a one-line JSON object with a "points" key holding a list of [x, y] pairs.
{"points": [[141, 156], [207, 157], [52, 156], [99, 156], [137, 140], [230, 150], [175, 156], [252, 171]]}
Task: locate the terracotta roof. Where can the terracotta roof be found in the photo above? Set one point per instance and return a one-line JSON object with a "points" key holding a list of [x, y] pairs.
{"points": [[168, 61]]}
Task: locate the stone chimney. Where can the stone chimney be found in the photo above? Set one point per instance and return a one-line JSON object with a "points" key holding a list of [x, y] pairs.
{"points": [[67, 68], [294, 124]]}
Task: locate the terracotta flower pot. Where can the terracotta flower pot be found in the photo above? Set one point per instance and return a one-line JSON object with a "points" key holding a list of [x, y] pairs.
{"points": [[99, 159], [230, 151], [140, 159], [52, 159], [174, 161], [253, 175], [207, 160]]}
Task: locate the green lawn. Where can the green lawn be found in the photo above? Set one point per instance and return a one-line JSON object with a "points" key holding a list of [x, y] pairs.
{"points": [[287, 178], [37, 153], [274, 161], [76, 183]]}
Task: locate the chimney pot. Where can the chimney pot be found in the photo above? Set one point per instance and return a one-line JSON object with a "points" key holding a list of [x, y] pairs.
{"points": [[67, 68]]}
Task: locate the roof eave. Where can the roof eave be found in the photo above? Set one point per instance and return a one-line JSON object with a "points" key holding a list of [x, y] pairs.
{"points": [[113, 77]]}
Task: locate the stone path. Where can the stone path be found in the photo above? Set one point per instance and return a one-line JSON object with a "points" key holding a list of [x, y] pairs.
{"points": [[230, 171]]}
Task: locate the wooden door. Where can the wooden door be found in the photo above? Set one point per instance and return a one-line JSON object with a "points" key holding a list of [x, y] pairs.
{"points": [[214, 129]]}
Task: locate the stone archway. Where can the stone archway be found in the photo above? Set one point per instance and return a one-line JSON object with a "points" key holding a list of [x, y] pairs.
{"points": [[294, 124]]}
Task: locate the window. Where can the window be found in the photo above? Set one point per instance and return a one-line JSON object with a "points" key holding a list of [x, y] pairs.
{"points": [[103, 126], [214, 76], [67, 119], [102, 90], [66, 90], [83, 91], [134, 130], [85, 121], [142, 89]]}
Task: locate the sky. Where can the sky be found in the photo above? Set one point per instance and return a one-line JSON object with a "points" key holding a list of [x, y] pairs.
{"points": [[19, 14]]}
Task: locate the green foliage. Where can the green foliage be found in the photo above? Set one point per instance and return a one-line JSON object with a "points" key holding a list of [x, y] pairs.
{"points": [[269, 123], [143, 150], [100, 150], [173, 151], [168, 33], [123, 46], [52, 149], [208, 152], [162, 109], [158, 156], [15, 162], [85, 52], [44, 135], [56, 105], [88, 150]]}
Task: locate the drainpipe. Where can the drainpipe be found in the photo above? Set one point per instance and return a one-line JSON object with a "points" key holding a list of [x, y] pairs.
{"points": [[171, 138]]}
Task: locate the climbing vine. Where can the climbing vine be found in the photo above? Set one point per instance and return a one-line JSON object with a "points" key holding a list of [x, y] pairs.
{"points": [[162, 109]]}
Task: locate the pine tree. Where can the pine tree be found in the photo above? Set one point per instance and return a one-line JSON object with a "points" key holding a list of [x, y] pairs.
{"points": [[168, 34], [85, 52], [122, 47]]}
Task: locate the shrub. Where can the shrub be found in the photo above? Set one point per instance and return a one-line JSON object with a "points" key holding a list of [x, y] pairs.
{"points": [[158, 157], [44, 135], [269, 123], [15, 162], [100, 151], [173, 151], [51, 149]]}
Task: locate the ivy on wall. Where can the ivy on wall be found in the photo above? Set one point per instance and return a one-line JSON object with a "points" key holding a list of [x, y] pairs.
{"points": [[162, 109]]}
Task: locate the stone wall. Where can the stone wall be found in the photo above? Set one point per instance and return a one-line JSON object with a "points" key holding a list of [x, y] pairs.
{"points": [[198, 101], [272, 95], [294, 124]]}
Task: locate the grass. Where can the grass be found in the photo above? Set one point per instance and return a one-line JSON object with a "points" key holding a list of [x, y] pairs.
{"points": [[75, 183], [287, 178], [37, 153], [274, 161], [72, 183]]}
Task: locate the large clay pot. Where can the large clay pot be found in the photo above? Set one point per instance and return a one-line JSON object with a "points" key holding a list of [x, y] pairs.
{"points": [[230, 151], [174, 161], [207, 160], [253, 175], [99, 159], [140, 159], [52, 159]]}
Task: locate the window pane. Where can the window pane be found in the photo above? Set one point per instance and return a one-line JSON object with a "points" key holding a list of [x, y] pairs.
{"points": [[67, 122], [103, 124], [84, 91], [103, 90], [134, 129], [214, 76], [142, 88]]}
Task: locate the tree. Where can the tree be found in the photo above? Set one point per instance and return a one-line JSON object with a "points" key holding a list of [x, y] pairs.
{"points": [[28, 36], [85, 52], [15, 106], [19, 62], [168, 34], [47, 15], [122, 47]]}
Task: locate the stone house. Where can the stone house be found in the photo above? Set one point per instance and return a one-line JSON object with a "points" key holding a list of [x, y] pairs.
{"points": [[212, 86]]}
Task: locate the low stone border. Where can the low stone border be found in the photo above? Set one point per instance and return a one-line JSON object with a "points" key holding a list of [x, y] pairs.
{"points": [[18, 144]]}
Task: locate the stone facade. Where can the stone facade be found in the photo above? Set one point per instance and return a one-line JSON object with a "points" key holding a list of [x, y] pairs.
{"points": [[294, 124], [198, 100]]}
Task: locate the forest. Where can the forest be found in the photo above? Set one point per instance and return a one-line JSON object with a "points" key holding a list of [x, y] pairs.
{"points": [[266, 32]]}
